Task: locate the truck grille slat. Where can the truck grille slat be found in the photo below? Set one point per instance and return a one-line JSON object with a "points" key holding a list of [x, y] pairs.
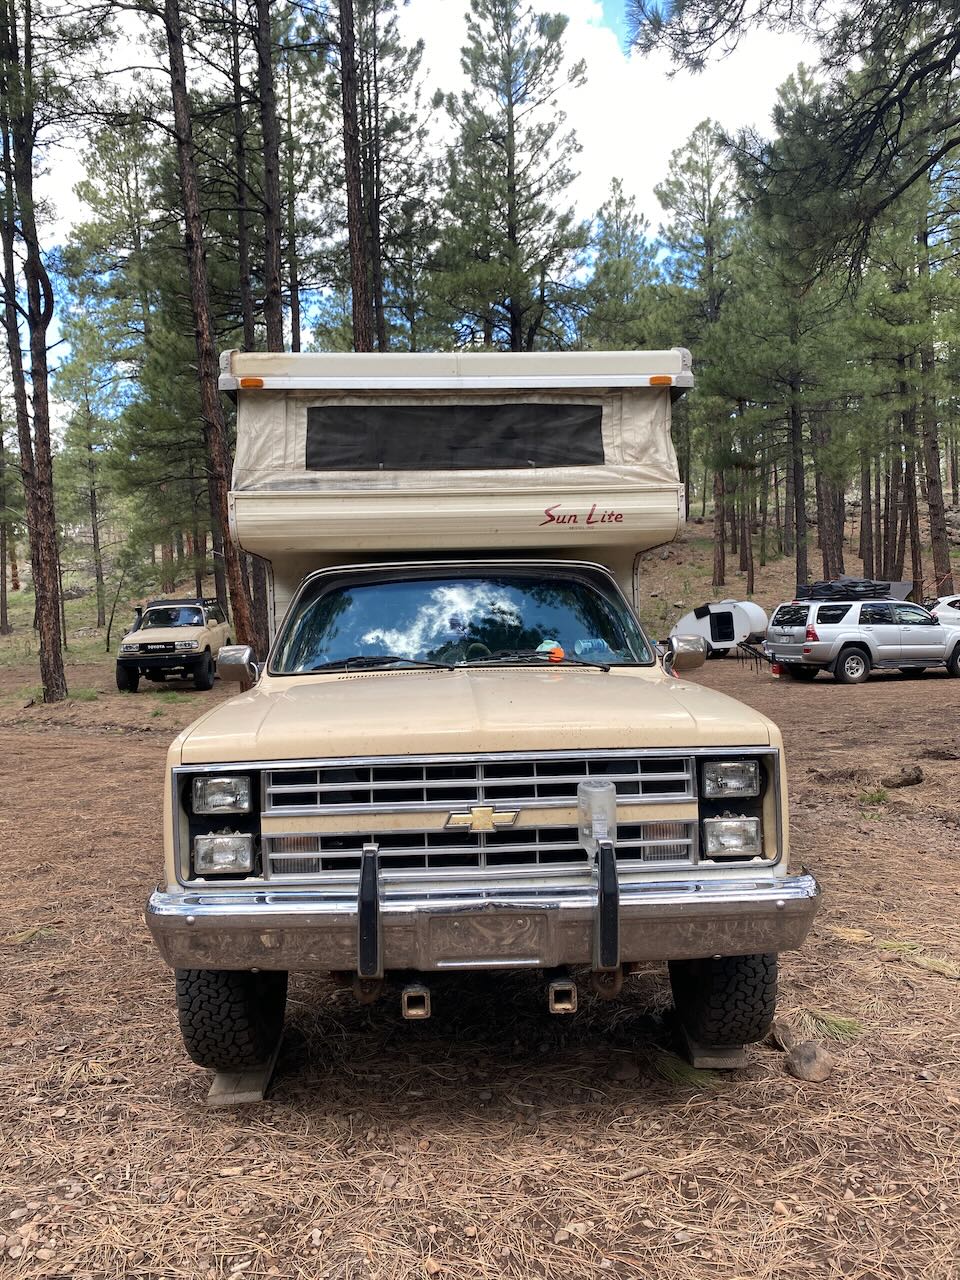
{"points": [[422, 785], [551, 851]]}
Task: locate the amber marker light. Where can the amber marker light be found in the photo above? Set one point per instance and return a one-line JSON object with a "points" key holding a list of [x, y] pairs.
{"points": [[657, 380], [251, 382]]}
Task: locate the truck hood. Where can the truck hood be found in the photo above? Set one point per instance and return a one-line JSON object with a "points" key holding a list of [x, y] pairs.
{"points": [[163, 635], [449, 712]]}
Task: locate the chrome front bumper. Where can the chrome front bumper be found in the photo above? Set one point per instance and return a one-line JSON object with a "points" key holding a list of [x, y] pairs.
{"points": [[481, 929]]}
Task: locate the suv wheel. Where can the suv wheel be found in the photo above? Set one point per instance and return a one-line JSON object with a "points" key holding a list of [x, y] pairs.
{"points": [[725, 1001], [128, 679], [853, 667], [203, 676], [953, 662], [230, 1019]]}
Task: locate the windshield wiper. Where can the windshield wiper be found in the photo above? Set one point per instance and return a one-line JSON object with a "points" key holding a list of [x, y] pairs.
{"points": [[510, 655], [380, 660]]}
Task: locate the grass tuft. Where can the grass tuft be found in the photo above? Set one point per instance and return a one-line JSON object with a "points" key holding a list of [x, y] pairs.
{"points": [[830, 1026], [913, 953], [675, 1071], [84, 695], [870, 799]]}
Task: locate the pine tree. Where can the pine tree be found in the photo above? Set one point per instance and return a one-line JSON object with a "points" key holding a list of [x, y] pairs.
{"points": [[509, 249]]}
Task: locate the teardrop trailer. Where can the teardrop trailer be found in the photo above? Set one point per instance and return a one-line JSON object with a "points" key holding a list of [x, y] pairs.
{"points": [[462, 751]]}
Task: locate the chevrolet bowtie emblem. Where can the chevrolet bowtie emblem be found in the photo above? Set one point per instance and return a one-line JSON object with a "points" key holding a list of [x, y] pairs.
{"points": [[484, 818]]}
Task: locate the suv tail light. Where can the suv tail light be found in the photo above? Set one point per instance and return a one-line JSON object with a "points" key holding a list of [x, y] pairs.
{"points": [[811, 633]]}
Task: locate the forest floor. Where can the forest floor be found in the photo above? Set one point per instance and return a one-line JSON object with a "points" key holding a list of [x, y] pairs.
{"points": [[493, 1140]]}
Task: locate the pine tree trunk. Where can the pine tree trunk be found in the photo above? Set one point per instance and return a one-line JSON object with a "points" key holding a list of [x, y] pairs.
{"points": [[240, 167], [214, 423], [4, 539], [746, 547], [19, 132], [913, 518], [799, 492], [764, 504], [719, 540], [293, 261], [359, 267], [942, 573], [270, 144], [954, 476], [14, 567], [95, 539], [866, 518]]}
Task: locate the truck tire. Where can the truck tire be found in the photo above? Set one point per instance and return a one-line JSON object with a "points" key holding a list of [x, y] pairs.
{"points": [[230, 1019], [205, 672], [953, 662], [852, 667], [725, 1001], [128, 679]]}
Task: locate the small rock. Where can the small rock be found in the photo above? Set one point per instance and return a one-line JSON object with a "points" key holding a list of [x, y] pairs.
{"points": [[44, 1254], [423, 1144], [848, 1194], [678, 604], [432, 1267], [470, 1232], [16, 1251], [911, 777], [316, 1237], [781, 1208], [560, 1236], [665, 554], [783, 1035], [810, 1061]]}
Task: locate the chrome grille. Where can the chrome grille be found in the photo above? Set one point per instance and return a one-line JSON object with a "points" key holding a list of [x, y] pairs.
{"points": [[541, 781], [409, 854]]}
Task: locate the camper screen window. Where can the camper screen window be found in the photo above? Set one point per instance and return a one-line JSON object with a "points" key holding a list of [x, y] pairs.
{"points": [[468, 437]]}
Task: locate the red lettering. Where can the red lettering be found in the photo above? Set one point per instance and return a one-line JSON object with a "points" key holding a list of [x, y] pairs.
{"points": [[618, 518], [590, 519], [548, 512]]}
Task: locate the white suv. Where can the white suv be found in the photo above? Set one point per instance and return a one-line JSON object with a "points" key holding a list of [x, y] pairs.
{"points": [[850, 638]]}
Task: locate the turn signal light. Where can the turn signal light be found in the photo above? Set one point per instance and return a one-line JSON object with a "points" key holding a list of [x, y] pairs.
{"points": [[251, 382]]}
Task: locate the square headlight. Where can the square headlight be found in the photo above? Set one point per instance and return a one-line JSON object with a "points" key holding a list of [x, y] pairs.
{"points": [[732, 838], [222, 854], [730, 778], [230, 794]]}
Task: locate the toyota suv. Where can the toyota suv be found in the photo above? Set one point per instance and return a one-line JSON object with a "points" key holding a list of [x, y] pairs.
{"points": [[851, 638], [173, 638]]}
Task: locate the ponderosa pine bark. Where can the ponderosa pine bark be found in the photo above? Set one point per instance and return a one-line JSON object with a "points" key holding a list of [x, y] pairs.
{"points": [[270, 142], [18, 222], [214, 422], [359, 272], [240, 177]]}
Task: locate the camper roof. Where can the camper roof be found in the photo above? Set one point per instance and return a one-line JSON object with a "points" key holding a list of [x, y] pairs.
{"points": [[454, 370]]}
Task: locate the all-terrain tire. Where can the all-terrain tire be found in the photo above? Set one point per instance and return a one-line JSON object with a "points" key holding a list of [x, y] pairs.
{"points": [[230, 1019], [852, 666], [204, 674], [128, 679], [953, 662], [803, 674], [726, 1001]]}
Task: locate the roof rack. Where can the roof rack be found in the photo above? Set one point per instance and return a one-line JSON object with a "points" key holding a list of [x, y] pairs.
{"points": [[198, 601]]}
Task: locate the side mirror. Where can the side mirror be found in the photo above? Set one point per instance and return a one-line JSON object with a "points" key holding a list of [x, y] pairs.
{"points": [[235, 662], [685, 653]]}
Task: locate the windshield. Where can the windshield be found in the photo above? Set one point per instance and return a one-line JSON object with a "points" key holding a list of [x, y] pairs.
{"points": [[172, 616], [458, 619]]}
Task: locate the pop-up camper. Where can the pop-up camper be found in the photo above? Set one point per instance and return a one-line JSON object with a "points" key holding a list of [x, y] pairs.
{"points": [[353, 457]]}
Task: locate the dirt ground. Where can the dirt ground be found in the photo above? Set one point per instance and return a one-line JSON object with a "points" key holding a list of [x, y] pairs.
{"points": [[492, 1140]]}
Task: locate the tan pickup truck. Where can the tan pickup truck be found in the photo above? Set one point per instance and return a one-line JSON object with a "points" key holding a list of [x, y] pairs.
{"points": [[464, 752]]}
